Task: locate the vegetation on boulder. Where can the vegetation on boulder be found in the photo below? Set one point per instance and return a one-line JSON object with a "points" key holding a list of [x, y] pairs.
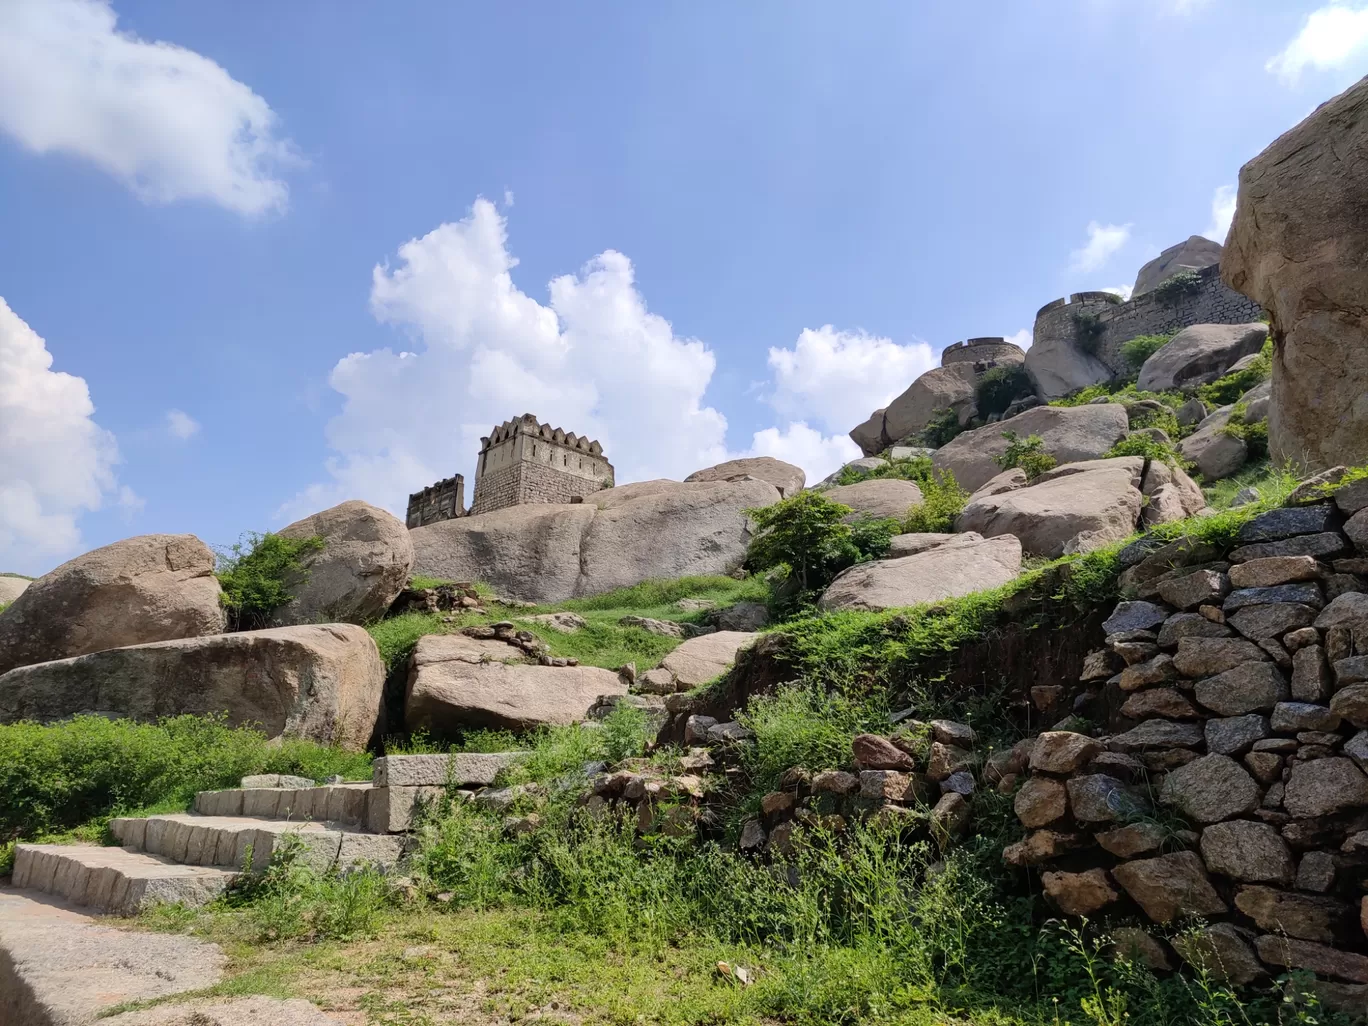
{"points": [[257, 575]]}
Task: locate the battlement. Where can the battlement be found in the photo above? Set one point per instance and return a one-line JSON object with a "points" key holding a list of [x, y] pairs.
{"points": [[444, 500], [525, 461], [990, 350]]}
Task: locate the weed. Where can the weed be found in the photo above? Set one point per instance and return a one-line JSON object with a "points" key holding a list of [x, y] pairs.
{"points": [[1228, 389], [1027, 453], [999, 387], [1088, 329], [943, 427], [1150, 448], [1139, 349], [1177, 287], [258, 575], [1253, 433]]}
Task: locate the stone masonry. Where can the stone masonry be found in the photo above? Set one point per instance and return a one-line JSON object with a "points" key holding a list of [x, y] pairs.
{"points": [[524, 461], [1213, 302], [441, 501]]}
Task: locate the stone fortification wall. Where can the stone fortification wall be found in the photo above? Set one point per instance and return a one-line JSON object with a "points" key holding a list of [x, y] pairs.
{"points": [[990, 351], [524, 461], [441, 501], [1212, 302], [1235, 686]]}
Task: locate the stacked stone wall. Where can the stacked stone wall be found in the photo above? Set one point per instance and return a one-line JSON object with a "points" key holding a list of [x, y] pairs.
{"points": [[990, 351], [441, 501], [1212, 302], [1230, 781]]}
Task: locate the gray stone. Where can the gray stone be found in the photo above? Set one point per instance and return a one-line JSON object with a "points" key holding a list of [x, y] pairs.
{"points": [[1189, 625], [1098, 798], [1349, 702], [1133, 839], [1198, 588], [1307, 594], [454, 687], [1288, 522], [1268, 573], [704, 658], [1130, 616], [968, 564], [1132, 944], [1328, 543], [12, 587], [460, 769], [1235, 734], [912, 544], [1247, 851], [1353, 670], [617, 537], [1158, 734], [784, 476], [1169, 703], [1216, 454], [1206, 657], [1063, 751], [358, 573], [1290, 717], [878, 497], [1316, 872], [323, 683], [155, 587], [1297, 915], [1279, 949], [1222, 952], [1199, 355], [1212, 788], [1271, 621], [1252, 687], [1040, 802], [1353, 497], [1070, 434], [1302, 637], [1323, 787], [941, 388], [871, 751], [1349, 611], [1170, 887]]}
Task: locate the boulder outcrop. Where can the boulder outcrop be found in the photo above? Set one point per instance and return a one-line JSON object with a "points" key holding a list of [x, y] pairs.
{"points": [[1192, 255], [458, 683], [1298, 247], [784, 476], [1069, 434], [11, 588], [940, 388], [322, 682], [360, 570], [878, 497], [154, 587], [1058, 366], [965, 564], [1216, 452], [1200, 354], [1073, 508], [548, 552]]}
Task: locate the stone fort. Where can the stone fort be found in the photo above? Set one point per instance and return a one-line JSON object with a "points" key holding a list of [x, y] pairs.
{"points": [[526, 461]]}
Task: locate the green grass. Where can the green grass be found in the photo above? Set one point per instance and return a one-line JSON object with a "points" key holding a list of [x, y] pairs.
{"points": [[1139, 349], [1273, 484], [61, 776]]}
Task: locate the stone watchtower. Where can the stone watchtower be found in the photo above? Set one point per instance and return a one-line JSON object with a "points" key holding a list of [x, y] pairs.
{"points": [[444, 500], [525, 461]]}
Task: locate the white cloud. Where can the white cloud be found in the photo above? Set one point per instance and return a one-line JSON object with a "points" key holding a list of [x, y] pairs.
{"points": [[55, 461], [167, 122], [839, 377], [593, 360], [1222, 213], [1022, 338], [181, 425], [806, 447], [1103, 242], [1124, 291], [1335, 37]]}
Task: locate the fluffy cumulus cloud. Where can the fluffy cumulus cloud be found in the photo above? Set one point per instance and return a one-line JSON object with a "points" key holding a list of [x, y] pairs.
{"points": [[181, 425], [55, 461], [1022, 338], [1104, 240], [592, 359], [1222, 213], [1333, 38], [169, 123]]}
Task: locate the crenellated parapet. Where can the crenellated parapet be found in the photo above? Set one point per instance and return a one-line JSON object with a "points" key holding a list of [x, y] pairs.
{"points": [[990, 351], [525, 461]]}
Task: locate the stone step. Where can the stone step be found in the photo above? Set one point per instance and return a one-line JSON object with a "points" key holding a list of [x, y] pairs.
{"points": [[198, 840], [119, 880]]}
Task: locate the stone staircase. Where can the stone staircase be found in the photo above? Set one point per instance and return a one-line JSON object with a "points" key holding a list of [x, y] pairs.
{"points": [[191, 857]]}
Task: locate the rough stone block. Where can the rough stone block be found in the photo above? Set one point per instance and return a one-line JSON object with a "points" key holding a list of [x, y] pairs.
{"points": [[390, 810]]}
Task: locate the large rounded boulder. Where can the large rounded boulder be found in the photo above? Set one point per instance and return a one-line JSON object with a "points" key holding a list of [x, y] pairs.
{"points": [[359, 571], [878, 497], [1298, 247], [941, 388], [549, 552], [155, 587], [784, 476], [1200, 354], [966, 564], [1069, 434]]}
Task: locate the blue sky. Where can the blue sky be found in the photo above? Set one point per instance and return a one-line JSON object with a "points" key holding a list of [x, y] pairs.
{"points": [[279, 255]]}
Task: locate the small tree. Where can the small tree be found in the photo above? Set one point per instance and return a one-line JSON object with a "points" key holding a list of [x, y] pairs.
{"points": [[1027, 453], [804, 532], [257, 576]]}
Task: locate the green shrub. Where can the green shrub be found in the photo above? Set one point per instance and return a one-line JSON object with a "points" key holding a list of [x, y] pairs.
{"points": [[1226, 390], [942, 501], [1027, 453], [802, 534], [999, 387], [257, 576], [942, 429], [1177, 287], [1088, 330], [1254, 435], [1142, 347], [59, 776], [1150, 449]]}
